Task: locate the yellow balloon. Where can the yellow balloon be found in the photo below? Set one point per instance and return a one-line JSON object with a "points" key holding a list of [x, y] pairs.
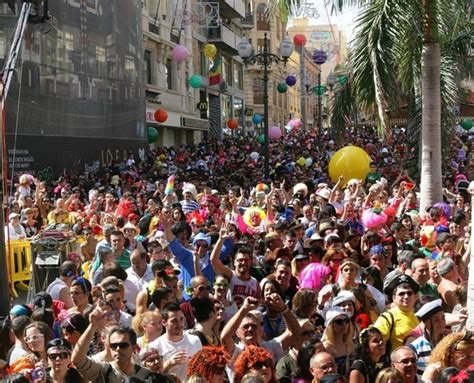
{"points": [[350, 162], [301, 161], [210, 50]]}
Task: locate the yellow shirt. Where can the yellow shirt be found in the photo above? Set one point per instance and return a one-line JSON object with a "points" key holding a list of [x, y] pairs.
{"points": [[404, 323]]}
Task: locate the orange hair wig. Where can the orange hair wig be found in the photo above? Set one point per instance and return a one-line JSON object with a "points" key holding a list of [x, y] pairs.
{"points": [[208, 361], [247, 358]]}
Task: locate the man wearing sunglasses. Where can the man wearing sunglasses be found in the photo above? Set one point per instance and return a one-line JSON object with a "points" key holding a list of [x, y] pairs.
{"points": [[122, 342], [396, 323]]}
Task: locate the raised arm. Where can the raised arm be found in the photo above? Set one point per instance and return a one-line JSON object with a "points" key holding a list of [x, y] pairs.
{"points": [[216, 263], [336, 186], [79, 354], [293, 331], [233, 324]]}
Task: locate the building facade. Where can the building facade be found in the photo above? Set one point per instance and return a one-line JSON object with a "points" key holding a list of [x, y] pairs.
{"points": [[77, 95], [279, 103]]}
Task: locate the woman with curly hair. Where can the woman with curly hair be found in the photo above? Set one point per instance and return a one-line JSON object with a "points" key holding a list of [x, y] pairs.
{"points": [[304, 303], [149, 326], [371, 351], [210, 363], [456, 350], [255, 359]]}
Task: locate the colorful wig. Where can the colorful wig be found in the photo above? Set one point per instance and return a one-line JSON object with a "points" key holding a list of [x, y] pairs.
{"points": [[314, 276], [373, 218], [208, 361], [247, 358]]}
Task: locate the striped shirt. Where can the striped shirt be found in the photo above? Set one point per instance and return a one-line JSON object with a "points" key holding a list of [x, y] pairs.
{"points": [[189, 207], [422, 349]]}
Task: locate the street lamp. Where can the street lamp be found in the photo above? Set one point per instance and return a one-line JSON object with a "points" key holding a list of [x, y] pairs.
{"points": [[319, 58], [265, 59]]}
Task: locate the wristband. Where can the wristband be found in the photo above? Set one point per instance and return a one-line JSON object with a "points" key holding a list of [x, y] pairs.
{"points": [[285, 311]]}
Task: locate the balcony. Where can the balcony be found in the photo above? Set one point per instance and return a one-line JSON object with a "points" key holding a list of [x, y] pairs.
{"points": [[223, 38], [232, 9], [248, 21]]}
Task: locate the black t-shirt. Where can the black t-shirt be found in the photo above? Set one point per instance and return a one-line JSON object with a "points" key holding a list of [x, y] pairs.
{"points": [[370, 370]]}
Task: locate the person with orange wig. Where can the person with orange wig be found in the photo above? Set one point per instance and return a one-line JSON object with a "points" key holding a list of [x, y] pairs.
{"points": [[210, 363], [255, 359]]}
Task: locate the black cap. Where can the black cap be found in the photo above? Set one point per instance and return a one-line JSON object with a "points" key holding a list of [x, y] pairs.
{"points": [[397, 281], [332, 378]]}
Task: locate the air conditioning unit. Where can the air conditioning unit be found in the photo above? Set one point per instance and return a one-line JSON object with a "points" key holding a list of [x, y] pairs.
{"points": [[223, 87]]}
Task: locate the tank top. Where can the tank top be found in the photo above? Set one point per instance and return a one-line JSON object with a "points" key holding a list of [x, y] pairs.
{"points": [[241, 289], [55, 288]]}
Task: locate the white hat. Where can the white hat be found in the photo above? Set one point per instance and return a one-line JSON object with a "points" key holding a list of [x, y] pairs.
{"points": [[189, 188], [429, 309], [300, 188], [324, 193], [384, 150], [344, 296], [333, 313], [13, 215]]}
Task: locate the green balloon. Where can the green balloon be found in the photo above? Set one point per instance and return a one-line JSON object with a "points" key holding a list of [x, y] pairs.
{"points": [[261, 139], [319, 90], [282, 87], [342, 79], [195, 81], [466, 124], [152, 134]]}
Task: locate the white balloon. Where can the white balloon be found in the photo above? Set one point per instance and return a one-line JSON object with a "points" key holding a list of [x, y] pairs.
{"points": [[309, 162], [254, 156]]}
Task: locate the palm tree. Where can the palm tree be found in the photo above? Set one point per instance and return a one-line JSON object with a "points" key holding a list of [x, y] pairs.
{"points": [[416, 46]]}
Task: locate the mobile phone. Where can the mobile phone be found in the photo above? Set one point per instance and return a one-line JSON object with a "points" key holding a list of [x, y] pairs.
{"points": [[38, 373]]}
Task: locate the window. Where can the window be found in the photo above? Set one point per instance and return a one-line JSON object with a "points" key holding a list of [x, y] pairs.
{"points": [[148, 67], [169, 73], [238, 75], [258, 88], [226, 71], [262, 18]]}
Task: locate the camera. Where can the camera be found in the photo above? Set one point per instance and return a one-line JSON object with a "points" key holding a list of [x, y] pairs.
{"points": [[38, 373]]}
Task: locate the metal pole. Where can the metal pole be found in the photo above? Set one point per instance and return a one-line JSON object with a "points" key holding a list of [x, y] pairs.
{"points": [[4, 280], [470, 289], [319, 104], [303, 94], [265, 106]]}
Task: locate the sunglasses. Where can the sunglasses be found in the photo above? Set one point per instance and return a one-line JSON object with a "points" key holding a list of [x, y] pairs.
{"points": [[120, 345], [341, 322], [61, 355], [259, 365], [249, 326], [407, 293], [202, 288], [33, 338]]}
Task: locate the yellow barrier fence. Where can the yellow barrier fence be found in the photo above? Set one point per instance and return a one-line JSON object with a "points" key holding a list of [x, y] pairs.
{"points": [[19, 273]]}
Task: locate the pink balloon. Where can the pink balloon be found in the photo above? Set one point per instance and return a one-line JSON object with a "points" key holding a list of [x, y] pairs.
{"points": [[274, 133], [179, 53]]}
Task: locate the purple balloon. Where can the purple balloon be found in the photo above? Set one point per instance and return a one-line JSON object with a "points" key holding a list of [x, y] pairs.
{"points": [[179, 53], [290, 80], [274, 132]]}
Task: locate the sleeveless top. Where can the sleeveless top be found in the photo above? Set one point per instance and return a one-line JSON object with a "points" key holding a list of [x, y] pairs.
{"points": [[241, 289], [55, 288]]}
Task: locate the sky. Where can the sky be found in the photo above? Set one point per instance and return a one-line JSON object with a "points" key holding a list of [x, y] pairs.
{"points": [[344, 20]]}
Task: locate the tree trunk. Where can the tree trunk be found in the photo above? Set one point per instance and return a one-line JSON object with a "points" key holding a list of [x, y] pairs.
{"points": [[431, 183]]}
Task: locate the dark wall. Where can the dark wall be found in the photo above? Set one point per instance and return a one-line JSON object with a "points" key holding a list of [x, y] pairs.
{"points": [[81, 79]]}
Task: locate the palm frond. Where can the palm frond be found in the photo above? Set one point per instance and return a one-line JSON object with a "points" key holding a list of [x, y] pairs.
{"points": [[284, 8], [374, 56], [343, 108]]}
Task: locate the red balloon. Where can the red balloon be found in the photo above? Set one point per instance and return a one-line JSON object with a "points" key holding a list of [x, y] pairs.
{"points": [[232, 124], [161, 115], [299, 40]]}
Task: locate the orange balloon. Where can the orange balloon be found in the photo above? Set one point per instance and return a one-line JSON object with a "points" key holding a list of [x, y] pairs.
{"points": [[161, 115], [232, 124]]}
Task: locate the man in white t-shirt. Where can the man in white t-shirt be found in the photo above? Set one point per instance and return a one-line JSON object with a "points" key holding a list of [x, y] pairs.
{"points": [[176, 346]]}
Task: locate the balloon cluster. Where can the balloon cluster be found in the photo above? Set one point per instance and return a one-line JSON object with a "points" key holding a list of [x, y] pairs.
{"points": [[294, 123]]}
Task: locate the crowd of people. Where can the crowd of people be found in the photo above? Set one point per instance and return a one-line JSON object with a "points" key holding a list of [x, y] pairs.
{"points": [[194, 268]]}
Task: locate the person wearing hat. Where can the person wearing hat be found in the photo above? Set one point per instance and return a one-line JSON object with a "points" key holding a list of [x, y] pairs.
{"points": [[433, 325], [130, 231], [14, 230], [396, 323], [164, 275], [337, 338], [188, 204]]}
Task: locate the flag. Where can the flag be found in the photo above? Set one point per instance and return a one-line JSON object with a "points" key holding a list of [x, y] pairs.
{"points": [[215, 71]]}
